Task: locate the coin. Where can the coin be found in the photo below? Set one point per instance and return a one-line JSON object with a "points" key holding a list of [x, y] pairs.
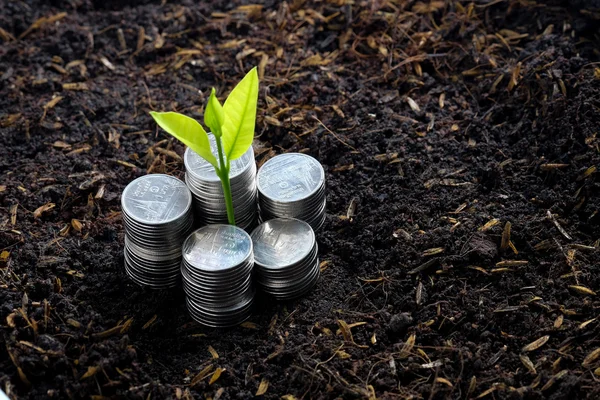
{"points": [[290, 177], [285, 257], [292, 185], [156, 199], [279, 243], [217, 248]]}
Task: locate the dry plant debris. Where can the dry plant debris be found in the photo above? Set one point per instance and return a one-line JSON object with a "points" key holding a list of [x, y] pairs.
{"points": [[460, 256]]}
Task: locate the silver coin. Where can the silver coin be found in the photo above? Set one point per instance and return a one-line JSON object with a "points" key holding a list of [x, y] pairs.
{"points": [[298, 294], [240, 203], [156, 199], [239, 211], [151, 279], [165, 270], [304, 207], [309, 217], [221, 322], [144, 280], [316, 196], [151, 285], [217, 247], [203, 275], [178, 226], [160, 286], [217, 294], [203, 196], [241, 188], [202, 170], [219, 325], [209, 299], [170, 245], [223, 310], [291, 273], [241, 169], [245, 224], [204, 302], [289, 285], [217, 218], [281, 242], [215, 298], [214, 283], [297, 290], [315, 219], [151, 266], [290, 177], [168, 254]]}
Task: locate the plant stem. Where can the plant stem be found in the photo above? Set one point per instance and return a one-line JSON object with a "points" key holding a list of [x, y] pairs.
{"points": [[223, 174]]}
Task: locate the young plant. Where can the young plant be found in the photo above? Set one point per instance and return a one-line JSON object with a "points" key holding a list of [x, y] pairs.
{"points": [[232, 124]]}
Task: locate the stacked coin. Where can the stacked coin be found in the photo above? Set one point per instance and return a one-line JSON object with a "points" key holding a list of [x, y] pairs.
{"points": [[157, 216], [292, 185], [285, 258], [217, 275], [206, 188]]}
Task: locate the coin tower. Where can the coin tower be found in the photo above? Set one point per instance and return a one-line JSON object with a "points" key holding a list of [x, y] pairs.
{"points": [[157, 216], [217, 275], [286, 258]]}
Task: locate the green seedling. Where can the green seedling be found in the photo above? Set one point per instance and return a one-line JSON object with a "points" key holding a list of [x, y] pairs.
{"points": [[232, 124]]}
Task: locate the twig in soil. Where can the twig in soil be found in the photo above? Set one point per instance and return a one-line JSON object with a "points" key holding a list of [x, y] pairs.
{"points": [[560, 228], [6, 36], [334, 135], [154, 164], [351, 213], [149, 97], [424, 266], [505, 236], [570, 258], [312, 376], [40, 22], [169, 153], [313, 373]]}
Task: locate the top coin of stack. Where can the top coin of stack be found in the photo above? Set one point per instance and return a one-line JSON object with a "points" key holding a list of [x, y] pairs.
{"points": [[292, 185], [206, 188], [157, 215]]}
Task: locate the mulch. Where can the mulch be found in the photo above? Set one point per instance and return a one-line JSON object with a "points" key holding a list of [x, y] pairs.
{"points": [[460, 142]]}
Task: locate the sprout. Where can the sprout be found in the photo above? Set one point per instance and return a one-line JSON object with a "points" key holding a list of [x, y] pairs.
{"points": [[232, 125]]}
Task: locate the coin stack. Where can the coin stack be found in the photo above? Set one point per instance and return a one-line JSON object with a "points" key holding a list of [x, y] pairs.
{"points": [[217, 275], [285, 258], [206, 188], [157, 216], [292, 185]]}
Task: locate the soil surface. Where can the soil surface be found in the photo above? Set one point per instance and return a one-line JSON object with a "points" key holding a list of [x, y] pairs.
{"points": [[461, 249]]}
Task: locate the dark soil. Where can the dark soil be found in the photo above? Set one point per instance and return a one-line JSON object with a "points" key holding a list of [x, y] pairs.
{"points": [[462, 241]]}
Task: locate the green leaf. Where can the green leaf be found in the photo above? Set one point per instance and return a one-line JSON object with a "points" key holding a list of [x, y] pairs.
{"points": [[214, 115], [188, 131], [240, 116]]}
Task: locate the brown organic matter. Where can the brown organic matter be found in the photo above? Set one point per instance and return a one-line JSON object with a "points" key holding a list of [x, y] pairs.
{"points": [[461, 249]]}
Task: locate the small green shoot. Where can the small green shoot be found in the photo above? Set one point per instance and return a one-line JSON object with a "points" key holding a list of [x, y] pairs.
{"points": [[232, 125]]}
